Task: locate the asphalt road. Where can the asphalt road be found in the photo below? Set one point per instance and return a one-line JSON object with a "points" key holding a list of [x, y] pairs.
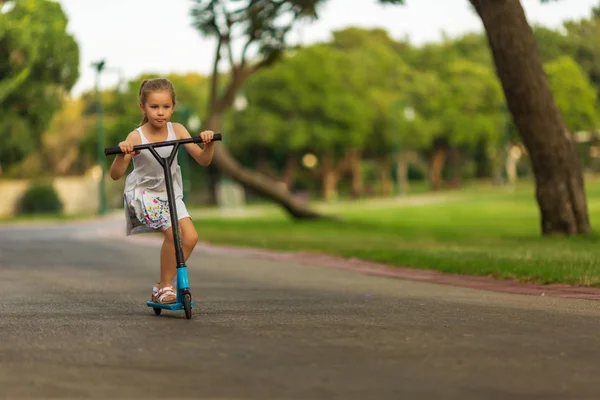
{"points": [[74, 324]]}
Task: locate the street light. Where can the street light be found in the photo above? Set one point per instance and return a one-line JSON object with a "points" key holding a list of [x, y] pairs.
{"points": [[101, 159], [99, 67]]}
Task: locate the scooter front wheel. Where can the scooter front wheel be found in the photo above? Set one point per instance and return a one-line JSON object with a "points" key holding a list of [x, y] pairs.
{"points": [[187, 305]]}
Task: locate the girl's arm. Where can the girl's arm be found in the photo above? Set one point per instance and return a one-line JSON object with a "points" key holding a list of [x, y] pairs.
{"points": [[121, 161], [202, 156]]}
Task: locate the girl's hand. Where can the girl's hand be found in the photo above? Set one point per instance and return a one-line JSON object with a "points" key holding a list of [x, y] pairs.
{"points": [[207, 136], [127, 147]]}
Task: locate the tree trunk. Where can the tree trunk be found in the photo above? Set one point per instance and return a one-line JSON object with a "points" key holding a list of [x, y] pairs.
{"points": [[482, 161], [330, 178], [358, 182], [402, 172], [262, 164], [384, 175], [213, 177], [289, 172], [436, 167], [455, 161], [257, 182], [217, 105], [558, 175]]}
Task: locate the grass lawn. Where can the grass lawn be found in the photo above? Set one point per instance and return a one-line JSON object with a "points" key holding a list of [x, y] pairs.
{"points": [[478, 231]]}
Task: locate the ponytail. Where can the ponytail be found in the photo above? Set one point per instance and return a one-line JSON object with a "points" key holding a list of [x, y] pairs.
{"points": [[145, 119]]}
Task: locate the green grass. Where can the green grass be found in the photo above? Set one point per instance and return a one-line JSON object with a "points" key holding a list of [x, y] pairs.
{"points": [[478, 231]]}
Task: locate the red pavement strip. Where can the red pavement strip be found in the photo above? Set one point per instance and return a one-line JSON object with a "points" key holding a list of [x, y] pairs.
{"points": [[421, 275]]}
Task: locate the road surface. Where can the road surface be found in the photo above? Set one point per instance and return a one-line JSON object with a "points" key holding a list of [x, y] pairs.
{"points": [[73, 324]]}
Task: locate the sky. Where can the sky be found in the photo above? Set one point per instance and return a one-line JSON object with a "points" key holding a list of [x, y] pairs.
{"points": [[156, 36]]}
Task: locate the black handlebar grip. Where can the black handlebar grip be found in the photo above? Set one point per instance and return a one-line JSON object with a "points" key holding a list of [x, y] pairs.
{"points": [[112, 150], [216, 137]]}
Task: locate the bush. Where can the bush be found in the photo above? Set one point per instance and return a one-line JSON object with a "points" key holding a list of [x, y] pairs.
{"points": [[40, 198]]}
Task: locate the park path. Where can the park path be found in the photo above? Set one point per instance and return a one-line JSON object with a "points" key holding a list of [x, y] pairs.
{"points": [[74, 324]]}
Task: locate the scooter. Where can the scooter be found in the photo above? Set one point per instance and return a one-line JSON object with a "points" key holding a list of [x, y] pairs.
{"points": [[184, 296]]}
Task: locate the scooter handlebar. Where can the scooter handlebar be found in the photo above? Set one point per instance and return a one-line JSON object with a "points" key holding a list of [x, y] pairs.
{"points": [[195, 139]]}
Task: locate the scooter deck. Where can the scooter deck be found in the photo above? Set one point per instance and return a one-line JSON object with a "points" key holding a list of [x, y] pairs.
{"points": [[172, 307]]}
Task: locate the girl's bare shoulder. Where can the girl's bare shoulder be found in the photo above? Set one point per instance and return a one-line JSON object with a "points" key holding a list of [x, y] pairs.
{"points": [[134, 137]]}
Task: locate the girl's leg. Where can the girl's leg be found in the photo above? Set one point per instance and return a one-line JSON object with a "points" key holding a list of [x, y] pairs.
{"points": [[168, 262]]}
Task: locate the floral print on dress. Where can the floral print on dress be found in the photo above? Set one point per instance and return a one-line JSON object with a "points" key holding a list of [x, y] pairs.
{"points": [[156, 212], [147, 211]]}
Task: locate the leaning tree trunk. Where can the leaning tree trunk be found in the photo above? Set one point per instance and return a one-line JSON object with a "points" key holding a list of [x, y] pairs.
{"points": [[258, 182], [559, 179]]}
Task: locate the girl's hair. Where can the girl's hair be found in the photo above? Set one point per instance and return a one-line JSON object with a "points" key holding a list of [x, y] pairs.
{"points": [[155, 85]]}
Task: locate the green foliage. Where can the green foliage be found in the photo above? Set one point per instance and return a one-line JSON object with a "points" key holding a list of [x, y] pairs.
{"points": [[552, 44], [473, 113], [311, 99], [387, 93], [40, 198], [574, 95], [585, 38], [39, 62]]}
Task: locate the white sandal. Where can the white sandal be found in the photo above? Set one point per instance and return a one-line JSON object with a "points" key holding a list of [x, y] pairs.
{"points": [[165, 295]]}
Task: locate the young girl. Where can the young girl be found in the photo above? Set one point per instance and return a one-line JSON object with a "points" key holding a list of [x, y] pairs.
{"points": [[145, 196]]}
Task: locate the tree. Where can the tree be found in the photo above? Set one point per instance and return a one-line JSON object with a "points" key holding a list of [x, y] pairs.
{"points": [[558, 174], [388, 79], [262, 25], [457, 92], [471, 115], [319, 108], [559, 180], [39, 63]]}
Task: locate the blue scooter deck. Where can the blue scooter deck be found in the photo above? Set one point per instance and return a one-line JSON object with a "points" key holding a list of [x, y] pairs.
{"points": [[172, 307]]}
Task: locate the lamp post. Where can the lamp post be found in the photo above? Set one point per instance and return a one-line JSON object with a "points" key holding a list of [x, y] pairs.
{"points": [[99, 66]]}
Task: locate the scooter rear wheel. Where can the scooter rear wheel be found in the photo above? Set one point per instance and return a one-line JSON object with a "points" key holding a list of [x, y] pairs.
{"points": [[157, 311], [187, 305]]}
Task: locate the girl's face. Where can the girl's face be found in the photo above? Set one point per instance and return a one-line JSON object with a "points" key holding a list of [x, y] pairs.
{"points": [[158, 108]]}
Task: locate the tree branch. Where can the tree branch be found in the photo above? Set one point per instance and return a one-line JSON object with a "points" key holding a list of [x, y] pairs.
{"points": [[245, 50], [239, 77], [215, 77], [227, 36]]}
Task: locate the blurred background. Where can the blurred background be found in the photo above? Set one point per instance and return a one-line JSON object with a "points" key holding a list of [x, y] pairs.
{"points": [[368, 100], [363, 106]]}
